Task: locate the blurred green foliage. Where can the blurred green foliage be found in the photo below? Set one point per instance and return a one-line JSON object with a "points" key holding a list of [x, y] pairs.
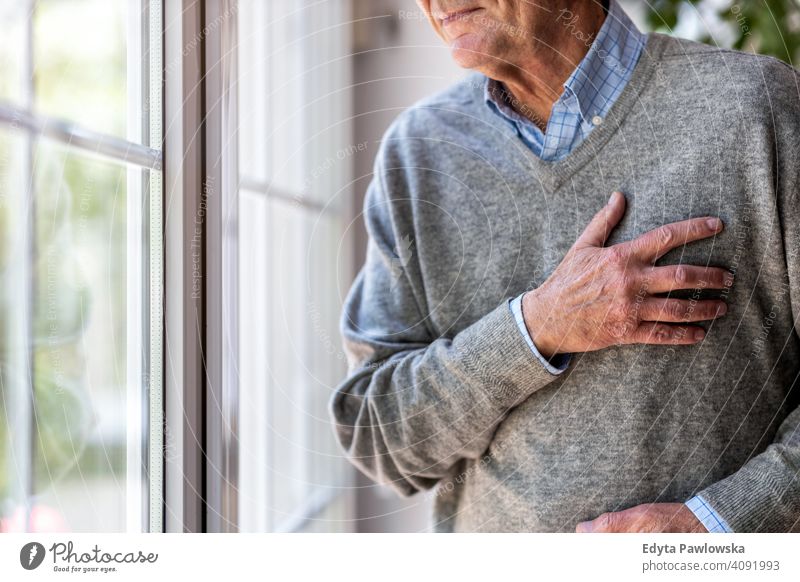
{"points": [[767, 27]]}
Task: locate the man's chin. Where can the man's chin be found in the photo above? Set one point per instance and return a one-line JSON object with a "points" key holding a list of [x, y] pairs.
{"points": [[469, 51]]}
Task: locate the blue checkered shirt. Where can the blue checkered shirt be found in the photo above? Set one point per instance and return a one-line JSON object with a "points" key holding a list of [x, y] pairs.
{"points": [[589, 93]]}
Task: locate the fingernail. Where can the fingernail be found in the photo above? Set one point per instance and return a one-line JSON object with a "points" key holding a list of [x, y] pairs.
{"points": [[714, 223], [722, 308], [699, 334], [613, 195]]}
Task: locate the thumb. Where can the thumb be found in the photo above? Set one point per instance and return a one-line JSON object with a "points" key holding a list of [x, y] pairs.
{"points": [[606, 220]]}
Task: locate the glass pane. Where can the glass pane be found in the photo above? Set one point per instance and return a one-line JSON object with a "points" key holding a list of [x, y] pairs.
{"points": [[80, 62], [15, 409], [294, 141], [290, 360], [305, 96], [325, 361], [252, 84], [329, 151], [79, 339], [286, 32], [305, 363], [335, 516], [13, 78], [254, 335], [289, 382]]}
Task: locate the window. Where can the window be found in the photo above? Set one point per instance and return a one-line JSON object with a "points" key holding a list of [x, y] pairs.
{"points": [[193, 397], [80, 265], [295, 145]]}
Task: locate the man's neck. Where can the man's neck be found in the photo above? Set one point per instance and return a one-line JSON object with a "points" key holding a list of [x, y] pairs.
{"points": [[535, 85]]}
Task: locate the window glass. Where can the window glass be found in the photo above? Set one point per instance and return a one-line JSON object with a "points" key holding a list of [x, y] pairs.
{"points": [[252, 81], [80, 62], [74, 257], [295, 167], [78, 344], [14, 16], [15, 441], [285, 94]]}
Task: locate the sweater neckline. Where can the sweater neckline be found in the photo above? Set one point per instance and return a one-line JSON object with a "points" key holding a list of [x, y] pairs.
{"points": [[553, 174]]}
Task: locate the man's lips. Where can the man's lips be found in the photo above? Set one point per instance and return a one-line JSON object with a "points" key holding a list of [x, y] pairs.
{"points": [[451, 17]]}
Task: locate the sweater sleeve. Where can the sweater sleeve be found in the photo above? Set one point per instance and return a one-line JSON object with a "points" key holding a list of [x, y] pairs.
{"points": [[764, 495], [415, 403]]}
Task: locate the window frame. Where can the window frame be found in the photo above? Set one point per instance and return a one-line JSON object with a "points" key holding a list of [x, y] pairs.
{"points": [[201, 390]]}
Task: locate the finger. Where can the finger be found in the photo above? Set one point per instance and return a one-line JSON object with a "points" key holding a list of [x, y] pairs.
{"points": [[677, 310], [675, 277], [650, 332], [655, 244], [605, 523], [606, 220]]}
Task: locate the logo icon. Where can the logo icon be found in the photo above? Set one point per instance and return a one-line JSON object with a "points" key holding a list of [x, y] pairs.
{"points": [[31, 555]]}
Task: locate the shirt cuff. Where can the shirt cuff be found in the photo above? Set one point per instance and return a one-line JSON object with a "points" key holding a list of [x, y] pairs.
{"points": [[555, 365], [712, 521]]}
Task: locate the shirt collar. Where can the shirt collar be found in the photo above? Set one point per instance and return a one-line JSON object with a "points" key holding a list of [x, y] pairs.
{"points": [[611, 58]]}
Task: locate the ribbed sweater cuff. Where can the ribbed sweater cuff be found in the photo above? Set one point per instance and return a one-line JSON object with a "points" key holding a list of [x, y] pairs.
{"points": [[753, 501], [494, 353]]}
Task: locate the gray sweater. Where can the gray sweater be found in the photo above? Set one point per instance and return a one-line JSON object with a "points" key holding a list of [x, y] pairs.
{"points": [[442, 390]]}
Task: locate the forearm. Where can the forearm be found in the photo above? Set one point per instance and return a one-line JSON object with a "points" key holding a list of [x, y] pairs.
{"points": [[406, 420]]}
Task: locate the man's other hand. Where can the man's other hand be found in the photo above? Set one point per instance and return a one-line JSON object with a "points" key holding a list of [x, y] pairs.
{"points": [[647, 518]]}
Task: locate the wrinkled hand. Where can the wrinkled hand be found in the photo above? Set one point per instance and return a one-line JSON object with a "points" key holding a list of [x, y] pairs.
{"points": [[603, 296], [647, 518]]}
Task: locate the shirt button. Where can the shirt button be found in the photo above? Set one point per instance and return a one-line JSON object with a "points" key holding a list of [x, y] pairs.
{"points": [[597, 120]]}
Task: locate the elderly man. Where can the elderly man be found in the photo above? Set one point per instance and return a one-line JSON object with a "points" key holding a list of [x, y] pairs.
{"points": [[543, 376]]}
